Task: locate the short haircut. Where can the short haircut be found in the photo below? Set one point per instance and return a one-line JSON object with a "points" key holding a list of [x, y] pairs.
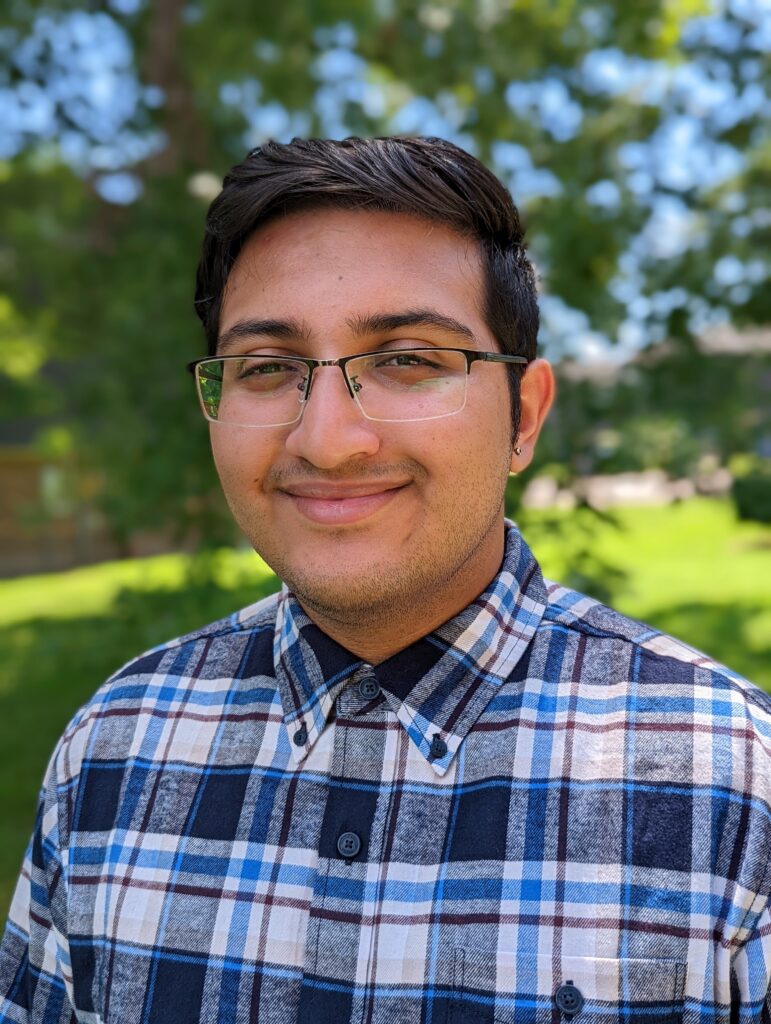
{"points": [[429, 178]]}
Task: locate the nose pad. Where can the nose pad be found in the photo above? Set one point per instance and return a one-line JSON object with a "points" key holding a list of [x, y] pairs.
{"points": [[350, 386], [304, 387]]}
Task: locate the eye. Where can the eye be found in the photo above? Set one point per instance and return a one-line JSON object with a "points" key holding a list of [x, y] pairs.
{"points": [[266, 374], [408, 359], [259, 367]]}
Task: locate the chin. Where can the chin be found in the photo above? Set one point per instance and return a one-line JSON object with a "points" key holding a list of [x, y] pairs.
{"points": [[349, 589]]}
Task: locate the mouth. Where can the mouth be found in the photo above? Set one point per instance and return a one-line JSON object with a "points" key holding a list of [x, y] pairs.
{"points": [[328, 505]]}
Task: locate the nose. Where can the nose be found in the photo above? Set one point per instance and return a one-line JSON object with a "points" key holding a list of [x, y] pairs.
{"points": [[332, 429]]}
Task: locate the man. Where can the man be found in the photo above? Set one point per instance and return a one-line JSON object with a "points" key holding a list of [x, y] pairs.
{"points": [[420, 785]]}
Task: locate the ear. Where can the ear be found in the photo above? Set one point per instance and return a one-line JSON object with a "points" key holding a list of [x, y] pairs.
{"points": [[536, 394]]}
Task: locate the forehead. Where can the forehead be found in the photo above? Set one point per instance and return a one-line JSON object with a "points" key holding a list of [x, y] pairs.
{"points": [[325, 266]]}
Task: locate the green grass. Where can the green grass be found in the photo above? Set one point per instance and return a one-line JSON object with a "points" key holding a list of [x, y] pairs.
{"points": [[690, 569]]}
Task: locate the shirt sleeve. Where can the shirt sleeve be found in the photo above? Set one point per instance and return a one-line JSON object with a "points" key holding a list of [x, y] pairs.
{"points": [[35, 975]]}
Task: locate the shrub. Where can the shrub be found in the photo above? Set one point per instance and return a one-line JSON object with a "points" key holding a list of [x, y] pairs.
{"points": [[751, 488]]}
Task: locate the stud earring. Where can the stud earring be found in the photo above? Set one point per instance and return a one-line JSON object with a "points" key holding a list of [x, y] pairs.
{"points": [[517, 451]]}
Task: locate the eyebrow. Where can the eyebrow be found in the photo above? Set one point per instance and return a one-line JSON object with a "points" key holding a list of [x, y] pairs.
{"points": [[361, 325], [282, 330], [382, 323]]}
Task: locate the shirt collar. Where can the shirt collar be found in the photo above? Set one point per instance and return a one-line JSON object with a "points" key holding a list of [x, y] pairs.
{"points": [[439, 685]]}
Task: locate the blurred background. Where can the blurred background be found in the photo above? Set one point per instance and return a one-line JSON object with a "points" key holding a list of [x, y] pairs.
{"points": [[633, 136]]}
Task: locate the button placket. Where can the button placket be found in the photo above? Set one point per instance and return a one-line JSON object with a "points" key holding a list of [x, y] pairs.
{"points": [[351, 837]]}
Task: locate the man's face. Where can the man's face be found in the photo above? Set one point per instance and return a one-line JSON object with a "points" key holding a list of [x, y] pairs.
{"points": [[361, 517]]}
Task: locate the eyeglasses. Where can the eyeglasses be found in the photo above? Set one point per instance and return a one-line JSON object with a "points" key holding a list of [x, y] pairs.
{"points": [[396, 385]]}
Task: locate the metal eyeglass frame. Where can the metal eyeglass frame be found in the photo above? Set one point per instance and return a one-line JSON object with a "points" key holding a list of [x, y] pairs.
{"points": [[471, 356]]}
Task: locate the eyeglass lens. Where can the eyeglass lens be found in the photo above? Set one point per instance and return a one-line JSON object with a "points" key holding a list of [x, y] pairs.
{"points": [[401, 385]]}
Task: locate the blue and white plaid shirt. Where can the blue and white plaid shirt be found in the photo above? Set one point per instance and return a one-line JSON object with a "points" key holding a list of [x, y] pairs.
{"points": [[542, 811]]}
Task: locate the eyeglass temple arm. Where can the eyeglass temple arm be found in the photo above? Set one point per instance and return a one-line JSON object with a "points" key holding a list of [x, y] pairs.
{"points": [[496, 357]]}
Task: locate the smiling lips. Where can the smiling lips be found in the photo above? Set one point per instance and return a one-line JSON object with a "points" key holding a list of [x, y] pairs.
{"points": [[337, 504]]}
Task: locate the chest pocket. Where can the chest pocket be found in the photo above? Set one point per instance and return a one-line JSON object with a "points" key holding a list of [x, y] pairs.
{"points": [[517, 989]]}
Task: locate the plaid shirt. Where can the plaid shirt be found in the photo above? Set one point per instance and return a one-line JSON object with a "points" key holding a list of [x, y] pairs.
{"points": [[541, 811]]}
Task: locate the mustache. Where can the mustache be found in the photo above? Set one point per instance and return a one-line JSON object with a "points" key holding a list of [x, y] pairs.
{"points": [[405, 469]]}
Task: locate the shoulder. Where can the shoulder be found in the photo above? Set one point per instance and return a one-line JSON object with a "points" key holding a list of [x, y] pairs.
{"points": [[187, 679], [660, 657], [203, 650], [665, 674]]}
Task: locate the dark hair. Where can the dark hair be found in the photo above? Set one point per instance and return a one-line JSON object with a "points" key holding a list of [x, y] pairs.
{"points": [[427, 177]]}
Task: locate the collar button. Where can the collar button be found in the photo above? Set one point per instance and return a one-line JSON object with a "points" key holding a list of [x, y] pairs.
{"points": [[300, 737], [438, 748]]}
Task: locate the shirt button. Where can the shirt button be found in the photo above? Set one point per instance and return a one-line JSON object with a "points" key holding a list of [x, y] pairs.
{"points": [[568, 999], [348, 845], [300, 737], [438, 748], [369, 688]]}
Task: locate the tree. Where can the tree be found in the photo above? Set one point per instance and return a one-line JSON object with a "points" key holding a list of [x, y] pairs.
{"points": [[631, 134]]}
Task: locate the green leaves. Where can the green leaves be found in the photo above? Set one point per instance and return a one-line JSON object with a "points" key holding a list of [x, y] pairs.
{"points": [[630, 134]]}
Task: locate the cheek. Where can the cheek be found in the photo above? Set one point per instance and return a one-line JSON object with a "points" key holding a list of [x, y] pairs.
{"points": [[222, 453], [240, 461], [471, 461]]}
